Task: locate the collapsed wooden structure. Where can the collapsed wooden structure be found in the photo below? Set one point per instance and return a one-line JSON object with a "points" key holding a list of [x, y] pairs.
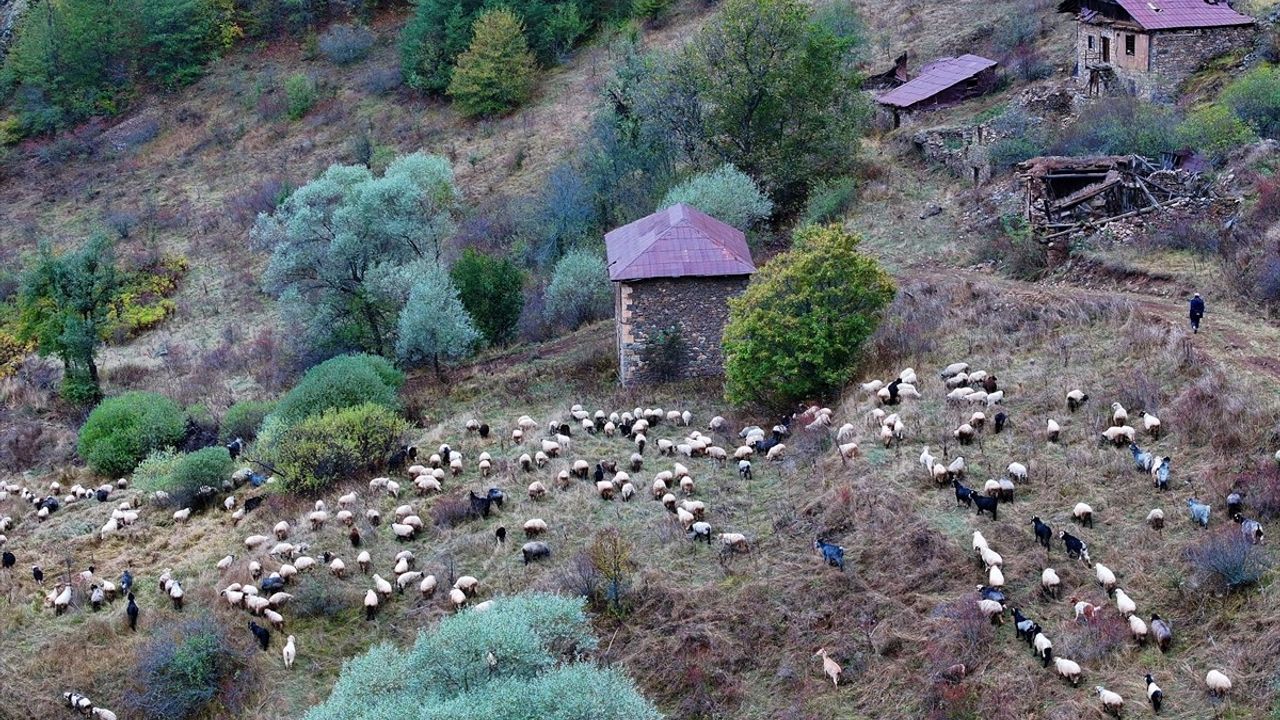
{"points": [[1066, 195]]}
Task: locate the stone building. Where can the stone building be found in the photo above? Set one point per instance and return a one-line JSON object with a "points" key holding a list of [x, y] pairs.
{"points": [[673, 274], [1148, 48]]}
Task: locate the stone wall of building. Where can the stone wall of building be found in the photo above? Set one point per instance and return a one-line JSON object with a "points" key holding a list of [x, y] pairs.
{"points": [[698, 306], [1162, 60]]}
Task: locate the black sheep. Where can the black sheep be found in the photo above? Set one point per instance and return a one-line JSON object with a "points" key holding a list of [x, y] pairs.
{"points": [[126, 581], [411, 451], [1075, 547], [252, 504], [982, 503], [102, 494], [989, 384], [396, 461], [262, 634], [501, 535], [354, 536], [986, 592], [1000, 420], [8, 560], [132, 612], [893, 392], [566, 430], [598, 475], [479, 505], [484, 430], [1044, 533], [275, 583], [37, 574], [964, 495]]}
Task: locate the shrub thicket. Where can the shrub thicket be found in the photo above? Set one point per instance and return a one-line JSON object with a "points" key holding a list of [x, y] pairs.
{"points": [[122, 430], [243, 419], [186, 670], [341, 382], [492, 291], [206, 467], [798, 330], [1255, 98], [579, 291], [335, 445], [299, 95], [541, 640], [344, 43], [726, 193]]}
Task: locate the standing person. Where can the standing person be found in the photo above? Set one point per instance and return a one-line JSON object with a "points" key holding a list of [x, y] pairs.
{"points": [[1197, 312]]}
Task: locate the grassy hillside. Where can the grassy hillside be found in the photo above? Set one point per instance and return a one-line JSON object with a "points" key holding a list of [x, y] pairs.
{"points": [[710, 635]]}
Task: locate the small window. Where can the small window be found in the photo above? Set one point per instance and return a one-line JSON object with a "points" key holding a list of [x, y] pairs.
{"points": [[1090, 42], [1129, 45]]}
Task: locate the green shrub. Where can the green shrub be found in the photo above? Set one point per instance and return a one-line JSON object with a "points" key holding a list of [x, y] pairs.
{"points": [[336, 445], [299, 94], [497, 72], [243, 419], [208, 466], [540, 639], [156, 470], [1214, 131], [185, 670], [1119, 126], [829, 200], [341, 382], [726, 193], [650, 9], [492, 291], [122, 430], [579, 291], [434, 326], [1255, 98], [798, 330]]}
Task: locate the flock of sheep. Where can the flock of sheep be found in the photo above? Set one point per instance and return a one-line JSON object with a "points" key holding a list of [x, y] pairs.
{"points": [[965, 386], [258, 577]]}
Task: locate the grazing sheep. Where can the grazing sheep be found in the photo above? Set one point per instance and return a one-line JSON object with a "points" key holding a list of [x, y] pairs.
{"points": [[1001, 419], [1118, 436], [457, 598], [363, 560], [537, 490], [275, 618], [940, 474], [535, 551], [337, 567], [1235, 504], [960, 394], [1162, 632], [963, 434], [1106, 578], [1043, 647], [1111, 702], [849, 450], [1049, 582], [1138, 629], [990, 558], [180, 516], [534, 527], [1124, 603], [1155, 519], [1083, 514], [606, 489], [992, 611], [373, 516], [1150, 423], [926, 459], [829, 666], [954, 369], [744, 469], [1199, 512], [427, 587], [1075, 399], [1155, 695], [102, 714], [1250, 529], [1119, 416], [994, 398], [225, 562], [995, 578], [985, 592], [370, 604], [735, 542], [1024, 628], [957, 468], [775, 453], [1218, 683], [1068, 669], [1053, 431]]}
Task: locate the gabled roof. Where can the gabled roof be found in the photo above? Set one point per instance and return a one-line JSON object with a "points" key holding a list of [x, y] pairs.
{"points": [[680, 241], [1173, 14], [934, 78], [1168, 14]]}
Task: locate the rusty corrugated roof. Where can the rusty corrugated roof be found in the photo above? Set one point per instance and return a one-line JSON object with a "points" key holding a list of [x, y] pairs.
{"points": [[934, 78], [1174, 14], [680, 241]]}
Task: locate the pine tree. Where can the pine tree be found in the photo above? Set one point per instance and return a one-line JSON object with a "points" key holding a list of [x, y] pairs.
{"points": [[496, 74]]}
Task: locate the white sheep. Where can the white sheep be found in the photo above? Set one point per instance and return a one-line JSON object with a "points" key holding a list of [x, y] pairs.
{"points": [[1049, 582], [180, 516], [1119, 416], [1124, 603], [1068, 669], [1138, 629], [1150, 423], [427, 587], [1218, 683], [776, 452], [954, 369], [1111, 702], [1106, 578], [1017, 471], [991, 610], [1083, 514], [995, 578], [1052, 431]]}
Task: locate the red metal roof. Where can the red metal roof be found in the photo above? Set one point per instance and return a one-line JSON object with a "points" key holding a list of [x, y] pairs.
{"points": [[936, 77], [1173, 14], [680, 241]]}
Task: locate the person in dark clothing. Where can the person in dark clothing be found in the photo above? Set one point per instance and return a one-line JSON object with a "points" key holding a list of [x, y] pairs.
{"points": [[1197, 312]]}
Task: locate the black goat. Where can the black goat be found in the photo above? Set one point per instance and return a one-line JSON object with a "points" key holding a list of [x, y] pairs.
{"points": [[893, 392], [1235, 504], [482, 506], [235, 447], [832, 553], [252, 504], [501, 535], [262, 634], [102, 494], [964, 495], [598, 475], [982, 503], [1044, 533], [1025, 628], [8, 560], [37, 574], [126, 581], [566, 430], [1000, 420], [484, 430], [1075, 546], [397, 459], [132, 612]]}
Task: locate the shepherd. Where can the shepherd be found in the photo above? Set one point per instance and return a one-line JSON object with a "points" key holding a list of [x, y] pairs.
{"points": [[1197, 312]]}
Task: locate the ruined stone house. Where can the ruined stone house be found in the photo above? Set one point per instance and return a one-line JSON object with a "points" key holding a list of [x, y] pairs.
{"points": [[674, 272], [1148, 48]]}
